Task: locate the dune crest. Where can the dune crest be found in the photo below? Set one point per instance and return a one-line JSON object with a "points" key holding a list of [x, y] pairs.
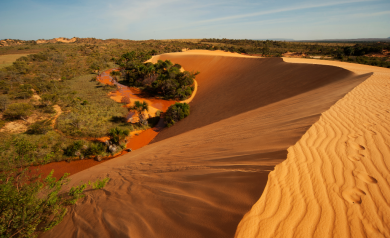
{"points": [[335, 181]]}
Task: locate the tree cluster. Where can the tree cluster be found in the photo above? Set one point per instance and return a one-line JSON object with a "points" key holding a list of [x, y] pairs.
{"points": [[163, 78], [175, 113]]}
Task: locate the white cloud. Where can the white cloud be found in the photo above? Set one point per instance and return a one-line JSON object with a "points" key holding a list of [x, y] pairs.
{"points": [[294, 8]]}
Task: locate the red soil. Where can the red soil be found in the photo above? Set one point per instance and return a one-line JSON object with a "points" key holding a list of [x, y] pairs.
{"points": [[133, 93]]}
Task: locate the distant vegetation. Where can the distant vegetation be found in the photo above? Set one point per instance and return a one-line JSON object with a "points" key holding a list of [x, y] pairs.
{"points": [[350, 52], [176, 112]]}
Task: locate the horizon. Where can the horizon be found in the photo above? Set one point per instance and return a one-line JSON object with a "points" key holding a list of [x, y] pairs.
{"points": [[172, 19]]}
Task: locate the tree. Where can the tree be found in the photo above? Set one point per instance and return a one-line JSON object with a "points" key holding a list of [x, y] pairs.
{"points": [[139, 108], [18, 111], [349, 51], [176, 112]]}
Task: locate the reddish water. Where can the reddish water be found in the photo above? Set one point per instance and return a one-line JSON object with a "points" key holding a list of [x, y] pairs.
{"points": [[135, 142]]}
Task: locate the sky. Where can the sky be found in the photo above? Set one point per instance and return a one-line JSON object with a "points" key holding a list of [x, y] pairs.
{"points": [[194, 19]]}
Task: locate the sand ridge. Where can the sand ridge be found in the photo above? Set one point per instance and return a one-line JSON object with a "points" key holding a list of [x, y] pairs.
{"points": [[335, 181], [200, 182]]}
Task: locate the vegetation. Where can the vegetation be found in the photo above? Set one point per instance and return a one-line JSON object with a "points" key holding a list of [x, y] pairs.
{"points": [[176, 112], [29, 204], [352, 52], [117, 135], [139, 108], [99, 184], [39, 127], [18, 111], [91, 113], [162, 78]]}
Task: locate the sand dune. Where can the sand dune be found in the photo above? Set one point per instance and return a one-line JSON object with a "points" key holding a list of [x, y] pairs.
{"points": [[201, 176], [335, 181]]}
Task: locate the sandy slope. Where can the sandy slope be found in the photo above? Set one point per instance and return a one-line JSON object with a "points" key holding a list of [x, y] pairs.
{"points": [[200, 181], [335, 181]]}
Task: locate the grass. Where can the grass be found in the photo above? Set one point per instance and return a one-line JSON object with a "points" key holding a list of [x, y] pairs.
{"points": [[92, 112], [7, 60]]}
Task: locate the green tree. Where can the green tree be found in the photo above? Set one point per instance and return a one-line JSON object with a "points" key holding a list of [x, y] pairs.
{"points": [[176, 112], [139, 108]]}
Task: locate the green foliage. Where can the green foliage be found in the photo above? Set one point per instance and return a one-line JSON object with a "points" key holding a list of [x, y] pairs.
{"points": [[117, 135], [140, 107], [95, 148], [76, 193], [30, 205], [24, 211], [18, 111], [39, 127], [99, 184], [176, 112], [162, 78], [74, 149], [91, 109]]}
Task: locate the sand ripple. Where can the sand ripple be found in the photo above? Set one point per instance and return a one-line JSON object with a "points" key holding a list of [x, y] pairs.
{"points": [[335, 181]]}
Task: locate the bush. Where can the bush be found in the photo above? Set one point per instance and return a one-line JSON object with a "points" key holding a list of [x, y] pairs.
{"points": [[39, 127], [117, 134], [176, 112], [95, 149], [18, 111], [30, 205], [74, 149], [23, 213]]}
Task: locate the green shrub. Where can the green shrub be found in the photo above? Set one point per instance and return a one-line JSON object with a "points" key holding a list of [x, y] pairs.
{"points": [[95, 148], [176, 112], [24, 211], [117, 135], [18, 111], [74, 149], [99, 184], [76, 193], [39, 127], [30, 205]]}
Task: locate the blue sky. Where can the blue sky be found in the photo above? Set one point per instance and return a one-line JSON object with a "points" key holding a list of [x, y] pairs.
{"points": [[180, 19]]}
